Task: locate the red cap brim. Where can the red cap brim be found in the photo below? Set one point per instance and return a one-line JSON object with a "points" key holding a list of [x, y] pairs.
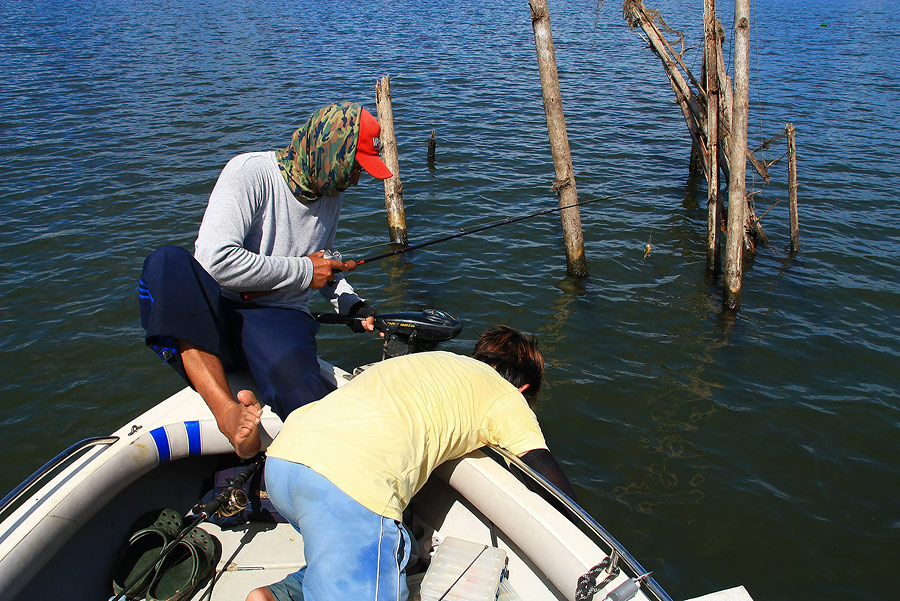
{"points": [[373, 165]]}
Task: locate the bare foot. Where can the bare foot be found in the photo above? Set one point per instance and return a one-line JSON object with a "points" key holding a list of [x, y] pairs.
{"points": [[241, 424]]}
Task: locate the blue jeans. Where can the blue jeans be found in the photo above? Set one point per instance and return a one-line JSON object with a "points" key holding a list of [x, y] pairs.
{"points": [[351, 552], [180, 300]]}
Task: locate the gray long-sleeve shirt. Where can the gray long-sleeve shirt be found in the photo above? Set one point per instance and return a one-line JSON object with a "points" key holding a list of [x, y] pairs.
{"points": [[256, 235]]}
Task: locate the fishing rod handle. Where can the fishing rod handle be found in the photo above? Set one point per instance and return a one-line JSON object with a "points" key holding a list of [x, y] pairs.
{"points": [[332, 318]]}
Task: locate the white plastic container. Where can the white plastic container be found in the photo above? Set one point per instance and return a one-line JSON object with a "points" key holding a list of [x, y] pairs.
{"points": [[464, 571], [507, 592]]}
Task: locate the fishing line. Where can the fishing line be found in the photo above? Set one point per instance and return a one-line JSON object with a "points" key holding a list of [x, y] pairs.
{"points": [[463, 231], [447, 592]]}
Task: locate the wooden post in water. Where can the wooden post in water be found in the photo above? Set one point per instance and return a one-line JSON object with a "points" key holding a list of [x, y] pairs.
{"points": [[393, 188], [792, 187], [737, 185], [711, 63], [576, 265], [726, 102], [432, 145]]}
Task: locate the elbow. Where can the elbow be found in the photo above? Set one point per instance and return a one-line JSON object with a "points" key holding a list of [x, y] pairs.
{"points": [[541, 461], [221, 264]]}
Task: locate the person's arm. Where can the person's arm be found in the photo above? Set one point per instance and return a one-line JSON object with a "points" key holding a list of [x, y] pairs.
{"points": [[543, 462], [344, 299], [340, 294], [233, 203]]}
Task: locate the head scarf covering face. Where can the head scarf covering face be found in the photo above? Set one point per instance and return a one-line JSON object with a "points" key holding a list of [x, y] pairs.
{"points": [[319, 160]]}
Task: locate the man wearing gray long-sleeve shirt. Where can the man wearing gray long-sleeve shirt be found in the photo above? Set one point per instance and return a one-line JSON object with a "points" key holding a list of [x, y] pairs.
{"points": [[241, 302]]}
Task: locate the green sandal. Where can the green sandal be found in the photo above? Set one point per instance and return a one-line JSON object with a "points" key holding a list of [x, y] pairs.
{"points": [[191, 561], [149, 535]]}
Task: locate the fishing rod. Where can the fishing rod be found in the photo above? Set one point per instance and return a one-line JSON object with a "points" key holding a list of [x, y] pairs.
{"points": [[334, 254], [465, 232]]}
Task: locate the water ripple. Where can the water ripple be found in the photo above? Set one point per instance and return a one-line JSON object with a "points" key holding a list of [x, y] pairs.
{"points": [[694, 434]]}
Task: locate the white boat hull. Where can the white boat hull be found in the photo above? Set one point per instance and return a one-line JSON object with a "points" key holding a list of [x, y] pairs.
{"points": [[63, 539]]}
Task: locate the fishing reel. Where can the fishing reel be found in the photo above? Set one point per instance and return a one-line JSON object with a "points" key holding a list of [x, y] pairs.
{"points": [[415, 331], [236, 502]]}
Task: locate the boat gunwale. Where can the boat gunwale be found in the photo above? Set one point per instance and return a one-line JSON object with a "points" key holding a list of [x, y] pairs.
{"points": [[56, 463], [575, 511]]}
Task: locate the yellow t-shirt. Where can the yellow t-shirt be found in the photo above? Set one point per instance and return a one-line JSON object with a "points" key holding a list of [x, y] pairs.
{"points": [[380, 436]]}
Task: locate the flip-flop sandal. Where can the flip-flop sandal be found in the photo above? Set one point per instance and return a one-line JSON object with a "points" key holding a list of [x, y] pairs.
{"points": [[150, 533], [186, 567]]}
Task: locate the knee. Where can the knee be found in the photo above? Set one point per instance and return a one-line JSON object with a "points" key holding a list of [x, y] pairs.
{"points": [[261, 594], [166, 255], [170, 252]]}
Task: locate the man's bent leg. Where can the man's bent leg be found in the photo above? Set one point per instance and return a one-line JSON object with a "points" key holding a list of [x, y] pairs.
{"points": [[236, 420], [184, 323], [280, 349]]}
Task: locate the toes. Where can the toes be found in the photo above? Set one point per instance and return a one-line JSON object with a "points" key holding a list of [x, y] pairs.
{"points": [[247, 398]]}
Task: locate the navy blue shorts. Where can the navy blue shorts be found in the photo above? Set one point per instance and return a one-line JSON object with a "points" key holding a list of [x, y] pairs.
{"points": [[180, 300]]}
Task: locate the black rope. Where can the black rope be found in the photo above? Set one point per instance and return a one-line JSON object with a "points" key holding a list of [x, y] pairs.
{"points": [[588, 586]]}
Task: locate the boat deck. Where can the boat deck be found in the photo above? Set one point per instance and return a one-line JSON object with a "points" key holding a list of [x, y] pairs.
{"points": [[253, 555], [256, 554]]}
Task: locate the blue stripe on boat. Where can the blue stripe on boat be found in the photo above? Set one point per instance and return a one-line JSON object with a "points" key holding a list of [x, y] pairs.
{"points": [[162, 444], [193, 434]]}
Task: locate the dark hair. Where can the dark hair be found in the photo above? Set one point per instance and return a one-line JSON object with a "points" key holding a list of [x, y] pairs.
{"points": [[515, 356]]}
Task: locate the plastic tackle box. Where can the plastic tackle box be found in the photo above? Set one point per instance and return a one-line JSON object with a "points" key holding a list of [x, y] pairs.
{"points": [[464, 571]]}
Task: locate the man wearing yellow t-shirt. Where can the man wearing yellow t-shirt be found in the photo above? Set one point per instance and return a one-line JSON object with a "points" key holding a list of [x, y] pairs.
{"points": [[343, 469]]}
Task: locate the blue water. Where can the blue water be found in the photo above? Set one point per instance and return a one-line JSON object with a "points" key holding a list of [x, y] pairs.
{"points": [[756, 449]]}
